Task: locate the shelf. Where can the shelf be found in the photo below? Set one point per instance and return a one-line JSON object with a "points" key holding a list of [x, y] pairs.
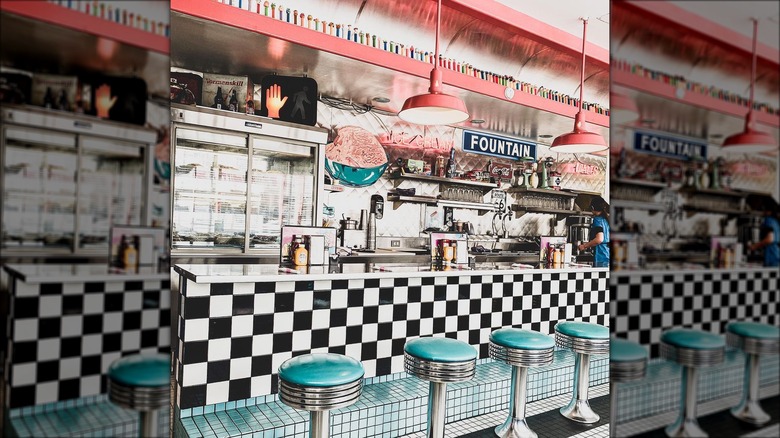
{"points": [[440, 180], [640, 183], [721, 192], [652, 207], [397, 200], [550, 192], [559, 214], [81, 22], [699, 100], [691, 210], [479, 206]]}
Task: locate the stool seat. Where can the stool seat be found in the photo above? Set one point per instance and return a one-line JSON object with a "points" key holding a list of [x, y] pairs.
{"points": [[141, 371], [753, 337], [521, 348], [440, 350], [321, 370], [692, 339], [582, 337], [622, 350], [756, 330], [584, 330], [627, 360], [521, 339]]}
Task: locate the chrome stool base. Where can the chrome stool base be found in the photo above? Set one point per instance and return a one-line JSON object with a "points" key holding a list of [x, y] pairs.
{"points": [[579, 409], [688, 428], [515, 428], [751, 412]]}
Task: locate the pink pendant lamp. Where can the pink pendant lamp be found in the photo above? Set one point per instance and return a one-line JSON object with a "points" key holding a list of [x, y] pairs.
{"points": [[435, 107], [750, 140], [580, 141]]}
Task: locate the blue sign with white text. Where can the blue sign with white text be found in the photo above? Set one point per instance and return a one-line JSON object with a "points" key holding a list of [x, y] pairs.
{"points": [[672, 147], [497, 146]]}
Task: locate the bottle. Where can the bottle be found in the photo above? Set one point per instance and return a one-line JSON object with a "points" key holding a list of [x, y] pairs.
{"points": [[451, 165], [557, 256], [250, 106], [48, 98], [301, 254], [130, 257], [534, 176], [62, 101], [447, 252], [233, 102], [120, 253], [219, 101]]}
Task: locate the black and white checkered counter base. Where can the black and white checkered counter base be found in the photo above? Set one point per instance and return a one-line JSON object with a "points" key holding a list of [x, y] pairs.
{"points": [[65, 331], [645, 304], [232, 336]]}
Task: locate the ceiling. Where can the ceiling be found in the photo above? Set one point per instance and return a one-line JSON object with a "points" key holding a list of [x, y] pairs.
{"points": [[465, 38], [565, 14], [736, 16], [662, 46]]}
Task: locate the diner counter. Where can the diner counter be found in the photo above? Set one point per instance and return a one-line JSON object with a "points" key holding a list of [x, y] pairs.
{"points": [[249, 273], [78, 273], [237, 323]]}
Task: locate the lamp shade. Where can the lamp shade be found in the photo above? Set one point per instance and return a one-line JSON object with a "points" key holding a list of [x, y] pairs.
{"points": [[579, 141], [749, 141], [434, 109]]}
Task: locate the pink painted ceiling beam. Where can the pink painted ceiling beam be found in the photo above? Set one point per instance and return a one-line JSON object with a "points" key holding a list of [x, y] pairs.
{"points": [[696, 24], [79, 21], [526, 26], [230, 16]]}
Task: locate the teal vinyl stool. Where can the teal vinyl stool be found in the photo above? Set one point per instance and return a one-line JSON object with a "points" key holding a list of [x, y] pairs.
{"points": [[692, 349], [585, 339], [520, 349], [755, 339], [318, 383], [627, 363], [141, 383], [439, 361]]}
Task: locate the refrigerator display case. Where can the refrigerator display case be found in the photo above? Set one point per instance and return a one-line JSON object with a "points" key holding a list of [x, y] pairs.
{"points": [[66, 179], [238, 179]]}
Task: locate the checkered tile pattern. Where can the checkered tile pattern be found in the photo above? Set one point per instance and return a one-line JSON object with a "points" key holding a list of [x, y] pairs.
{"points": [[233, 337], [644, 306], [63, 337]]}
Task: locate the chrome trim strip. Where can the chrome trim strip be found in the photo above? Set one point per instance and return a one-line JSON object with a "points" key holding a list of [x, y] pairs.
{"points": [[439, 372], [692, 358], [753, 345], [582, 345], [521, 358], [312, 398]]}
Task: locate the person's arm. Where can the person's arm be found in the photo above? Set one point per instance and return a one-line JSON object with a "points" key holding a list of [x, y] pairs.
{"points": [[768, 239], [597, 240]]}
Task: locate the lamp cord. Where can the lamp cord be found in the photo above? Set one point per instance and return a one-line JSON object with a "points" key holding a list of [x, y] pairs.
{"points": [[753, 66], [582, 73], [438, 25]]}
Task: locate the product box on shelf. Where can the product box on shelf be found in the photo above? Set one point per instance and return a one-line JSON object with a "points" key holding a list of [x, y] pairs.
{"points": [[186, 87], [226, 92], [55, 91], [15, 86]]}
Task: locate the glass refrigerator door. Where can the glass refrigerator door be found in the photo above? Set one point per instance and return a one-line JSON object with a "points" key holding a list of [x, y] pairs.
{"points": [[210, 190], [39, 189], [283, 188], [111, 189]]}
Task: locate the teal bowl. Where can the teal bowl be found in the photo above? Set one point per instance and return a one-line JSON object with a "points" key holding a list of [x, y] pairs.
{"points": [[354, 176]]}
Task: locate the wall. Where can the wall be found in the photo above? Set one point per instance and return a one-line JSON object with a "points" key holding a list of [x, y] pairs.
{"points": [[409, 219]]}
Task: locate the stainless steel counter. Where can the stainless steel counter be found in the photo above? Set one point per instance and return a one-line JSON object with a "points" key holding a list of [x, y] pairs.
{"points": [[243, 273]]}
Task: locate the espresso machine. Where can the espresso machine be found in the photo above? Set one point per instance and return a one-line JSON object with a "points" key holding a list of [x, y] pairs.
{"points": [[578, 232], [749, 231]]}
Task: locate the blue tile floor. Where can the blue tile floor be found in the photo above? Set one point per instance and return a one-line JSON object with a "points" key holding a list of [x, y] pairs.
{"points": [[87, 417], [390, 408]]}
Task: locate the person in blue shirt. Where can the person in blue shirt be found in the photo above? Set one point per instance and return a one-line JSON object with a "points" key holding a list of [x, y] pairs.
{"points": [[600, 232], [770, 238]]}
